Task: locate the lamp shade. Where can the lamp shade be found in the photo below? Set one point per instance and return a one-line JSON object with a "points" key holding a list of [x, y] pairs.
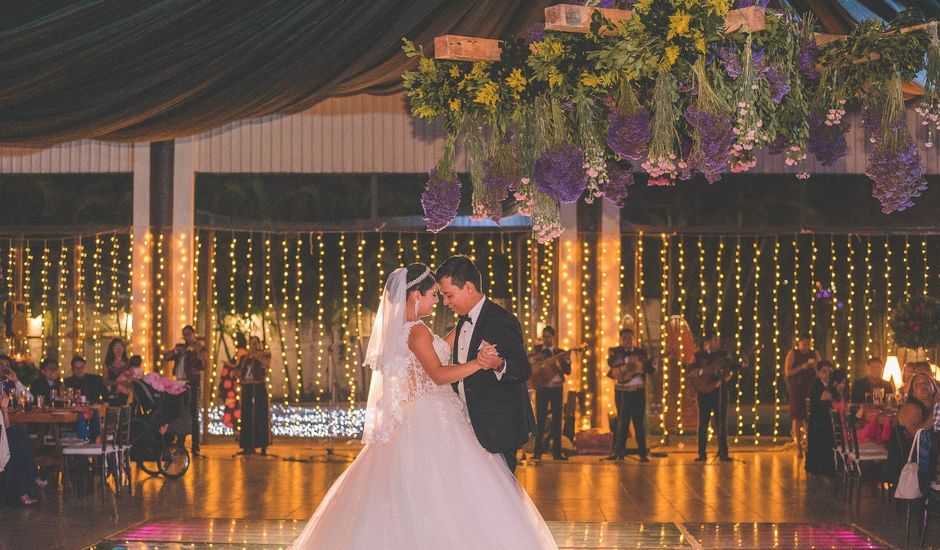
{"points": [[892, 372]]}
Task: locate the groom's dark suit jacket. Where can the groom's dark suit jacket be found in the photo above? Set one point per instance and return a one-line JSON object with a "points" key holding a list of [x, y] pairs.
{"points": [[500, 410]]}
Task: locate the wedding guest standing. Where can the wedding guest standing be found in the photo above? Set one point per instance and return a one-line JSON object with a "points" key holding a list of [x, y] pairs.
{"points": [[823, 394], [799, 367], [253, 371]]}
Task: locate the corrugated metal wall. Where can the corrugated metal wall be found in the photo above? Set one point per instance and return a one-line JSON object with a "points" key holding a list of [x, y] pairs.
{"points": [[357, 134]]}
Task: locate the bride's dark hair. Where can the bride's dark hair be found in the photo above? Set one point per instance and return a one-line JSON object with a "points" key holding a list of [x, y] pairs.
{"points": [[416, 270]]}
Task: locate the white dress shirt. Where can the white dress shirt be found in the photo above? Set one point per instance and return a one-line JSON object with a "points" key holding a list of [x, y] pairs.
{"points": [[462, 343]]}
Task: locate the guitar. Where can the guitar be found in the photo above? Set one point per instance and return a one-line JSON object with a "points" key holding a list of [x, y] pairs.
{"points": [[547, 368], [628, 369], [718, 371]]}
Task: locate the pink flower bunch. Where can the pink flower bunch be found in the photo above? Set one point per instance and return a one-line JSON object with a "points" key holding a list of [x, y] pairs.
{"points": [[749, 134], [796, 157], [663, 169], [929, 111], [834, 116], [546, 229], [525, 197], [596, 169]]}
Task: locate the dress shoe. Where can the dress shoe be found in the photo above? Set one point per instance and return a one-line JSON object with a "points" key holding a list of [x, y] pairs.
{"points": [[644, 458], [701, 459], [724, 458], [559, 457]]}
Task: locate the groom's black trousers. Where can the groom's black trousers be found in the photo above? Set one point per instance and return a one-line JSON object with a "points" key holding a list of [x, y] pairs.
{"points": [[511, 460]]}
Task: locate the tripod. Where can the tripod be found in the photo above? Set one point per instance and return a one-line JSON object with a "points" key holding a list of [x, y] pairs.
{"points": [[330, 455]]}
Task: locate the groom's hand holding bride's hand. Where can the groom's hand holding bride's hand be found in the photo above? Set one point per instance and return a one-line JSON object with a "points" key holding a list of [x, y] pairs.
{"points": [[488, 357]]}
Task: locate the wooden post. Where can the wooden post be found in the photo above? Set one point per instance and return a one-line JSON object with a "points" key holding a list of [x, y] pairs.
{"points": [[466, 48], [575, 18]]}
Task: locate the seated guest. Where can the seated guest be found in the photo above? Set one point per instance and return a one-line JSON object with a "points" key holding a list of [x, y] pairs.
{"points": [[115, 359], [123, 384], [917, 411], [9, 382], [19, 476], [47, 381], [910, 369], [863, 389], [91, 385]]}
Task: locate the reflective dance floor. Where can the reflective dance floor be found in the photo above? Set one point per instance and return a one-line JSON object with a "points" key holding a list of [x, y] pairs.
{"points": [[761, 500]]}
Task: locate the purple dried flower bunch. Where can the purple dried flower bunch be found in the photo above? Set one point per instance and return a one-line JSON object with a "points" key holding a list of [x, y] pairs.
{"points": [[618, 180], [629, 133], [827, 136], [714, 140], [898, 175], [559, 172], [440, 199]]}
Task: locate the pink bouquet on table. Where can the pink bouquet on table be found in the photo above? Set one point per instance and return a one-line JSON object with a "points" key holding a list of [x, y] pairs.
{"points": [[164, 384]]}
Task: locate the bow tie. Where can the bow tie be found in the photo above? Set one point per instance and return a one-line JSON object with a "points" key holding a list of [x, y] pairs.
{"points": [[464, 319]]}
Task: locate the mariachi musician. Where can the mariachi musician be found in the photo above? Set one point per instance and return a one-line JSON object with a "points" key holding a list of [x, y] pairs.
{"points": [[550, 365], [711, 374], [252, 370], [629, 367]]}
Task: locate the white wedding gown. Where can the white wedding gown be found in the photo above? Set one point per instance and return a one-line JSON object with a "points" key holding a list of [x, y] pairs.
{"points": [[430, 486]]}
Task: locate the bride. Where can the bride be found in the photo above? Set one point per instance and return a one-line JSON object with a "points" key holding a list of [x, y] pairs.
{"points": [[422, 480]]}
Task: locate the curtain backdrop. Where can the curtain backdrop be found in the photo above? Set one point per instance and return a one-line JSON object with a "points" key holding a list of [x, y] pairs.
{"points": [[132, 70], [149, 70]]}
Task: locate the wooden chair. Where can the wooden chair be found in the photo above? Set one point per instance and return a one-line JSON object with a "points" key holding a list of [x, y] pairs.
{"points": [[123, 444], [101, 452]]}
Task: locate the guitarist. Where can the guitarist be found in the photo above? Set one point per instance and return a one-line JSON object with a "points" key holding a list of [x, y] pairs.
{"points": [[629, 367], [711, 373], [551, 392]]}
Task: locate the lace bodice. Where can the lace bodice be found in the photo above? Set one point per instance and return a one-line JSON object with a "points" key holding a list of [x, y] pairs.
{"points": [[419, 383]]}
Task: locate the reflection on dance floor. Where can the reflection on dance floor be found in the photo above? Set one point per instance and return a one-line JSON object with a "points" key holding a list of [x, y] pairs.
{"points": [[198, 534]]}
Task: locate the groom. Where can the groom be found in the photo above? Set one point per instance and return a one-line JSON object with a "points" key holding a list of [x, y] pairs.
{"points": [[497, 400]]}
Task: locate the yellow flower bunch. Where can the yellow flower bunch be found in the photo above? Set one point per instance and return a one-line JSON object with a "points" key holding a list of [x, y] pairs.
{"points": [[672, 54], [478, 70], [454, 71], [678, 25], [427, 65], [549, 49], [424, 111], [455, 104], [487, 95], [590, 80], [516, 81], [555, 78]]}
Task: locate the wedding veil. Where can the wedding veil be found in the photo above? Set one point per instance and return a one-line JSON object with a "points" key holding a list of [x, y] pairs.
{"points": [[388, 356]]}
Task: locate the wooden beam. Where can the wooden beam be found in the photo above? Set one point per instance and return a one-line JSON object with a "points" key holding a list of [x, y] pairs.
{"points": [[466, 48], [749, 19], [575, 18]]}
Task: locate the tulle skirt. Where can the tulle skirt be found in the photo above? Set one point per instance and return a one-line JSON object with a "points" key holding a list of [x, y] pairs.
{"points": [[431, 486]]}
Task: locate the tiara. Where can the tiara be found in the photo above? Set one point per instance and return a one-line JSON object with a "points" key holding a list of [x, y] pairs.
{"points": [[423, 276]]}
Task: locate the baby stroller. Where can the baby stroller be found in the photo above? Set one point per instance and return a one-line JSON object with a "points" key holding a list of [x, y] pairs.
{"points": [[159, 425]]}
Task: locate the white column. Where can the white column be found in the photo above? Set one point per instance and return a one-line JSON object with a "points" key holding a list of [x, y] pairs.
{"points": [[142, 274], [608, 302], [180, 247]]}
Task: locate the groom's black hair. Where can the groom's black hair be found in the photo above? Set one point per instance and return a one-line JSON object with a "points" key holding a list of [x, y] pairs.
{"points": [[461, 270]]}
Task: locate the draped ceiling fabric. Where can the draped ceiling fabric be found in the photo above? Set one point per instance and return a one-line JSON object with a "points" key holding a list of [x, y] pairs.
{"points": [[149, 70]]}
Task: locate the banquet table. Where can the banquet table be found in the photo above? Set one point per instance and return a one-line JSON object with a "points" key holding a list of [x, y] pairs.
{"points": [[49, 421]]}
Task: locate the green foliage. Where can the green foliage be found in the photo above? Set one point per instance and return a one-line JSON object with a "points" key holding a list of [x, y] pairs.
{"points": [[916, 323]]}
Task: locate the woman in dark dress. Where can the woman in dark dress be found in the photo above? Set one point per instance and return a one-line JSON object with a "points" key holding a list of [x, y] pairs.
{"points": [[799, 367], [253, 372], [820, 440]]}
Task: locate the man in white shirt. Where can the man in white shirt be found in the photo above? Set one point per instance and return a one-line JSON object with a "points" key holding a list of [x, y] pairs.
{"points": [[497, 400]]}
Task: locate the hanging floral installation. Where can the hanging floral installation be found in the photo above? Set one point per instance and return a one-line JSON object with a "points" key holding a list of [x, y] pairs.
{"points": [[673, 88]]}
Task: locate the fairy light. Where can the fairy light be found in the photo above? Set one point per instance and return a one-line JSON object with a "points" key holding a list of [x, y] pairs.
{"points": [[739, 329], [359, 287], [213, 271], [812, 287], [889, 344], [755, 410], [868, 298], [113, 295], [415, 246], [702, 308], [528, 298], [197, 250], [81, 255], [435, 254], [298, 286], [566, 303], [401, 250], [907, 268], [453, 244], [586, 322], [44, 297], [491, 277], [96, 296], [510, 275], [720, 275], [249, 282], [27, 278], [380, 263], [182, 264], [547, 276], [923, 252], [282, 313], [664, 289], [605, 389], [60, 297], [321, 335], [271, 314], [233, 261], [850, 303], [347, 367], [160, 293], [834, 301], [795, 289], [638, 291], [143, 297], [776, 337], [681, 291]]}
